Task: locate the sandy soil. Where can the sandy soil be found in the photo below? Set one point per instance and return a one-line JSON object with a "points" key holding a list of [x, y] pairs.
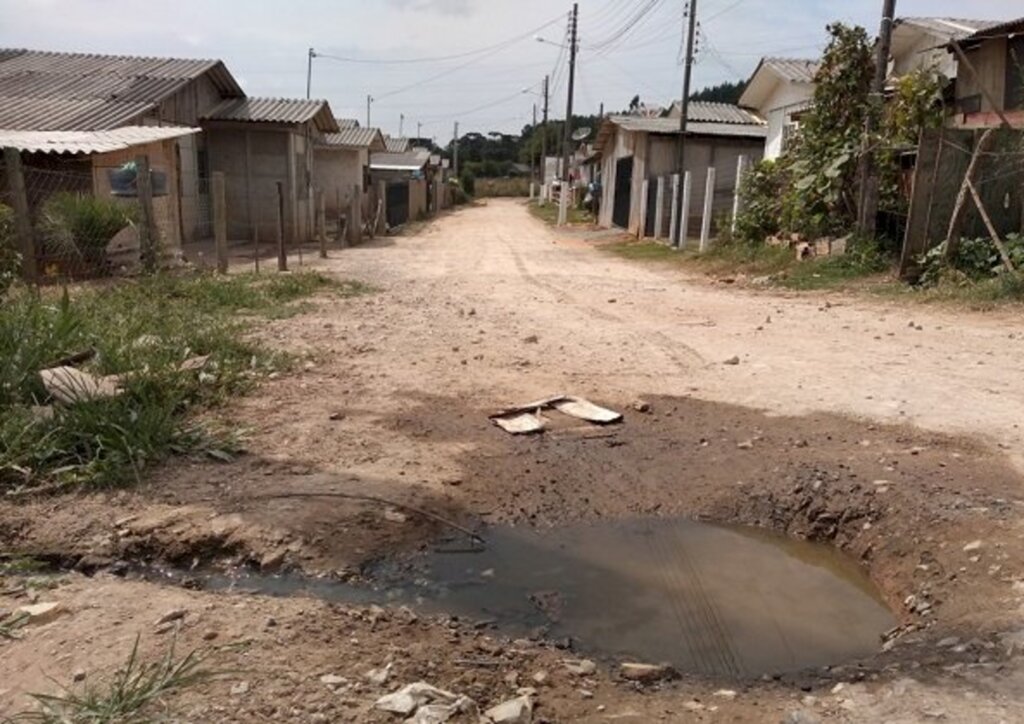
{"points": [[891, 432]]}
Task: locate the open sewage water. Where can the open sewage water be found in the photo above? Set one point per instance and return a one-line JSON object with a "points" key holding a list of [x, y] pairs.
{"points": [[720, 601]]}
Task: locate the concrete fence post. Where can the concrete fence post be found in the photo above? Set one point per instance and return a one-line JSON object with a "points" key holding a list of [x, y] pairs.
{"points": [[673, 222], [709, 205], [645, 193], [355, 216], [659, 208], [321, 222], [22, 218], [563, 203], [220, 220], [742, 164], [684, 221], [282, 253]]}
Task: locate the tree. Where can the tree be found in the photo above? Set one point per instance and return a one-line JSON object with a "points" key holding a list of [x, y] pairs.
{"points": [[727, 92]]}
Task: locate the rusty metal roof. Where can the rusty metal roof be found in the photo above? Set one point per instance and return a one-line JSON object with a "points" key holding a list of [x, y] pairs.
{"points": [[90, 142], [275, 110], [80, 91], [354, 137]]}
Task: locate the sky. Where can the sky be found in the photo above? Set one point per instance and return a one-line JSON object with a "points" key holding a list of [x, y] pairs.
{"points": [[496, 77]]}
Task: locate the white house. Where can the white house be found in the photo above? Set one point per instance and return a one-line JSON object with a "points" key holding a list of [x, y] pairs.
{"points": [[779, 90]]}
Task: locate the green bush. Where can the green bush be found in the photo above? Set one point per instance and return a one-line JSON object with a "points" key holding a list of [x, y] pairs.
{"points": [[760, 203], [976, 260], [82, 225], [10, 259], [468, 182]]}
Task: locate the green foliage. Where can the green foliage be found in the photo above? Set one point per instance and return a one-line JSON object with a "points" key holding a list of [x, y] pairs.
{"points": [[725, 92], [467, 181], [548, 213], [761, 202], [10, 259], [863, 258], [492, 187], [976, 260], [131, 693], [82, 224], [142, 331], [822, 162]]}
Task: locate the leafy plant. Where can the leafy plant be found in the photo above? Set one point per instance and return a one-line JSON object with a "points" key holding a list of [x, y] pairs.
{"points": [[760, 203], [10, 259], [83, 224], [467, 181], [130, 693], [976, 260]]}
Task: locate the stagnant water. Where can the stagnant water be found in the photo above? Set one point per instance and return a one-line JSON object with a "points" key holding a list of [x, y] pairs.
{"points": [[724, 601]]}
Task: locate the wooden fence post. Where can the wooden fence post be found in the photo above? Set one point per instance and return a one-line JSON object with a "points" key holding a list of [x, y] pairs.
{"points": [[709, 205], [148, 232], [355, 216], [220, 220], [22, 218], [956, 220], [282, 254], [645, 193], [321, 220], [684, 216]]}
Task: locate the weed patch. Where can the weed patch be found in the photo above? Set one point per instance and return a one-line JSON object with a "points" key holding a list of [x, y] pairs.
{"points": [[141, 331], [548, 213]]}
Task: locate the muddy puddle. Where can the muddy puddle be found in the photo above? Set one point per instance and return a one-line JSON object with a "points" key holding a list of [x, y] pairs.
{"points": [[720, 601]]}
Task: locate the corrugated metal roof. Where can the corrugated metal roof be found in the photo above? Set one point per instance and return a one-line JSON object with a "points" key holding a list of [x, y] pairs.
{"points": [[80, 91], [354, 137], [695, 127], [397, 145], [409, 161], [346, 123], [89, 142], [275, 110], [709, 112], [796, 70], [952, 28], [998, 29]]}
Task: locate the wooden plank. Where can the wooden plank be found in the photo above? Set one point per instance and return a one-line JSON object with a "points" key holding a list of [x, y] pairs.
{"points": [[149, 235], [956, 220], [1003, 254], [220, 220]]}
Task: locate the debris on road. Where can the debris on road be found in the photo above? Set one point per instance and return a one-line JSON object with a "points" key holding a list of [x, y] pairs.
{"points": [[69, 385], [40, 613], [526, 419], [734, 360], [425, 704], [646, 673], [513, 711]]}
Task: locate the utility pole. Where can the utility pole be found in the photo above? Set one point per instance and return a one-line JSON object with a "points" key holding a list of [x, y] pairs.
{"points": [[419, 130], [544, 136], [533, 169], [684, 110], [401, 124], [567, 136], [369, 100], [867, 173], [455, 150], [309, 71]]}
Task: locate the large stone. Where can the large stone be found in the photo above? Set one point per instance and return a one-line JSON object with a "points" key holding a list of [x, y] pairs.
{"points": [[646, 673], [513, 711], [580, 667], [39, 613]]}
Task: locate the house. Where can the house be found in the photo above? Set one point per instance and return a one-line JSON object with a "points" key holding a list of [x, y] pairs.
{"points": [[635, 149], [779, 90], [52, 91], [396, 145], [921, 43], [101, 164], [412, 183], [995, 79], [341, 171], [265, 146]]}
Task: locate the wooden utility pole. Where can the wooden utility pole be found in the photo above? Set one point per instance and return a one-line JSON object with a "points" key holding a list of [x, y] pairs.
{"points": [[544, 136], [533, 169], [867, 173], [22, 218], [567, 136], [684, 110], [369, 100], [309, 72]]}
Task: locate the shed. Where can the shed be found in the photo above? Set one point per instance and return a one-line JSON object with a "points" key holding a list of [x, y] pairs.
{"points": [[102, 164], [408, 182], [997, 81], [258, 143], [57, 91], [341, 167], [634, 149]]}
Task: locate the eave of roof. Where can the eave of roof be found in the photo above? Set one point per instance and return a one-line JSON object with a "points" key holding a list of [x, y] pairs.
{"points": [[89, 142]]}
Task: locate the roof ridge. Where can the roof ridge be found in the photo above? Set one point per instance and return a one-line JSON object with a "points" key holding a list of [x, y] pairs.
{"points": [[112, 56]]}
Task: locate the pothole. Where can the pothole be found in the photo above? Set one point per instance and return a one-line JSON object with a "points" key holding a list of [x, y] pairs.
{"points": [[731, 602]]}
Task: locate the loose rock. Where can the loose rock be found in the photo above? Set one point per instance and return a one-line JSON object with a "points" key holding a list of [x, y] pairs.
{"points": [[734, 360], [646, 673], [39, 613], [513, 711], [580, 667]]}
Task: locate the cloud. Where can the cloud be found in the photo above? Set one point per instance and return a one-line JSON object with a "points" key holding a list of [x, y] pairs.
{"points": [[440, 7]]}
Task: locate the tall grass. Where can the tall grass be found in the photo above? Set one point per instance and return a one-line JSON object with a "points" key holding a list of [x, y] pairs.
{"points": [[142, 331]]}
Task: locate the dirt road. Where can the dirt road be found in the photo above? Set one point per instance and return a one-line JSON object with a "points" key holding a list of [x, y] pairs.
{"points": [[889, 432]]}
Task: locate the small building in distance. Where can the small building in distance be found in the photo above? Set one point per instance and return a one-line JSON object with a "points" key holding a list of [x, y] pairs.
{"points": [[259, 143], [779, 90], [341, 171]]}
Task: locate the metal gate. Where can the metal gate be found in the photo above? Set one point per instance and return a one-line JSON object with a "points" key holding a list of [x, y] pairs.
{"points": [[397, 203], [623, 192]]}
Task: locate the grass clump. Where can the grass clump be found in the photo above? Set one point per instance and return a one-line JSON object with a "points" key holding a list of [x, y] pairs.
{"points": [[141, 331], [131, 694], [548, 213]]}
